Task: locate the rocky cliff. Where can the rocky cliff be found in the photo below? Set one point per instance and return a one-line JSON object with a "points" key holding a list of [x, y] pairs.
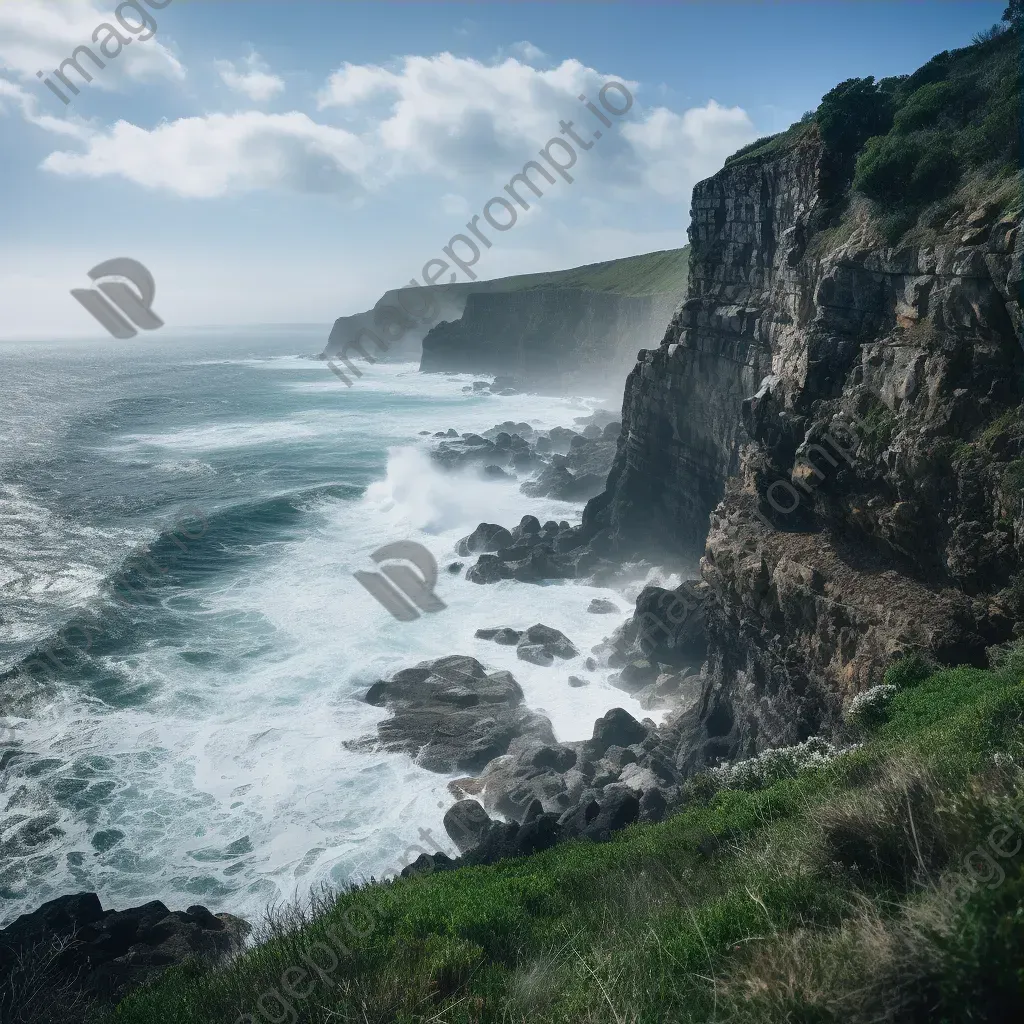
{"points": [[557, 337], [836, 417], [556, 328]]}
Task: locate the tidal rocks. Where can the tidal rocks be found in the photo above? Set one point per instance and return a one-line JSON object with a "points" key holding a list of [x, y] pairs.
{"points": [[532, 553], [451, 715], [535, 654], [601, 606], [106, 951], [466, 822], [553, 641]]}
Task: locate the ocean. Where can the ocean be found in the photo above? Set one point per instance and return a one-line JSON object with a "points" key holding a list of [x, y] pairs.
{"points": [[183, 645]]}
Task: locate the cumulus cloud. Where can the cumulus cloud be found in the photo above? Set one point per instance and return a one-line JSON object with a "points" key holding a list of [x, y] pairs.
{"points": [[677, 150], [210, 156], [37, 35], [463, 121], [257, 83]]}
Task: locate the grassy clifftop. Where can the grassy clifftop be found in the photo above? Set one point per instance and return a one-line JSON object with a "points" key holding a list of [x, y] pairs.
{"points": [[879, 884], [651, 273], [921, 146]]}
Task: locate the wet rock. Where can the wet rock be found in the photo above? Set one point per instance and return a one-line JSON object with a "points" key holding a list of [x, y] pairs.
{"points": [[466, 822], [536, 654], [454, 567], [577, 681], [616, 728], [508, 637], [601, 606], [486, 537], [451, 715]]}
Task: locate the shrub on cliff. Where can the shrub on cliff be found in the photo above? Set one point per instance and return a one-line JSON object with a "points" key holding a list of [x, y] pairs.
{"points": [[850, 114]]}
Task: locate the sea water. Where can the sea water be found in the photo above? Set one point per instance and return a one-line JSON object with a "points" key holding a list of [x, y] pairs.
{"points": [[183, 645]]}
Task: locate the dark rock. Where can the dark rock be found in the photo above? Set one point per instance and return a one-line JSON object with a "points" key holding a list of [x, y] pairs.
{"points": [[508, 637], [535, 810], [487, 634], [601, 606], [496, 472], [427, 864], [454, 567], [488, 569], [616, 810], [559, 759], [653, 805], [553, 640], [108, 952], [536, 654], [466, 822], [451, 715], [616, 728], [577, 681]]}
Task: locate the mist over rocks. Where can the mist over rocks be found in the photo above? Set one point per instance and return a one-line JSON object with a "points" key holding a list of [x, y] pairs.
{"points": [[559, 463]]}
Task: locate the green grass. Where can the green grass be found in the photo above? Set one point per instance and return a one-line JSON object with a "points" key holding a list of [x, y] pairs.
{"points": [[651, 273], [828, 898]]}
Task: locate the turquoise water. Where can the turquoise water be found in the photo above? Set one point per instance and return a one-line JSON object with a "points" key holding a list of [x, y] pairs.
{"points": [[182, 640]]}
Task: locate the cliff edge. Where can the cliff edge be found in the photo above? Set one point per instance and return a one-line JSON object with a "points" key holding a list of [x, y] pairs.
{"points": [[835, 410]]}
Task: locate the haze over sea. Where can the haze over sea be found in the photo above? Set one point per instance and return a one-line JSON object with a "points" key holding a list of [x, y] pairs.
{"points": [[194, 753]]}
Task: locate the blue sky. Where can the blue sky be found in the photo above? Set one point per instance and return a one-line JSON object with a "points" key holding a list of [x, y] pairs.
{"points": [[288, 161]]}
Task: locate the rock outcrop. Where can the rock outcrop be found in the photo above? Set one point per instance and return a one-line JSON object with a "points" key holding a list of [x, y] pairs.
{"points": [[550, 338], [70, 953], [847, 417], [451, 715]]}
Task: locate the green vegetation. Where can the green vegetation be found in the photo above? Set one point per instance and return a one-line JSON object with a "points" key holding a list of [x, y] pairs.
{"points": [[877, 427], [769, 145], [884, 884], [651, 273], [926, 145]]}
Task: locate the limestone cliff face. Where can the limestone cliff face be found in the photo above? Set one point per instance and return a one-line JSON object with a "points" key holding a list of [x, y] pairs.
{"points": [[846, 418], [555, 336]]}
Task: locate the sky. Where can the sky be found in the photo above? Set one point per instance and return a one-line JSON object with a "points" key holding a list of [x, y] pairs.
{"points": [[286, 162]]}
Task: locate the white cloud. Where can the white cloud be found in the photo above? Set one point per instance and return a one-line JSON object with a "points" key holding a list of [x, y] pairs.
{"points": [[204, 157], [456, 119], [257, 83], [454, 205], [678, 150], [38, 35], [29, 107], [454, 116]]}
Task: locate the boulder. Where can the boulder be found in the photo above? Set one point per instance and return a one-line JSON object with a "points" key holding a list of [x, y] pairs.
{"points": [[466, 822], [536, 654], [553, 640], [616, 728], [451, 715], [601, 606], [109, 951]]}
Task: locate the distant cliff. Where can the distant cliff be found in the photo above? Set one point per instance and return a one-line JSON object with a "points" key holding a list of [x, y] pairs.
{"points": [[583, 322], [835, 412], [583, 326]]}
